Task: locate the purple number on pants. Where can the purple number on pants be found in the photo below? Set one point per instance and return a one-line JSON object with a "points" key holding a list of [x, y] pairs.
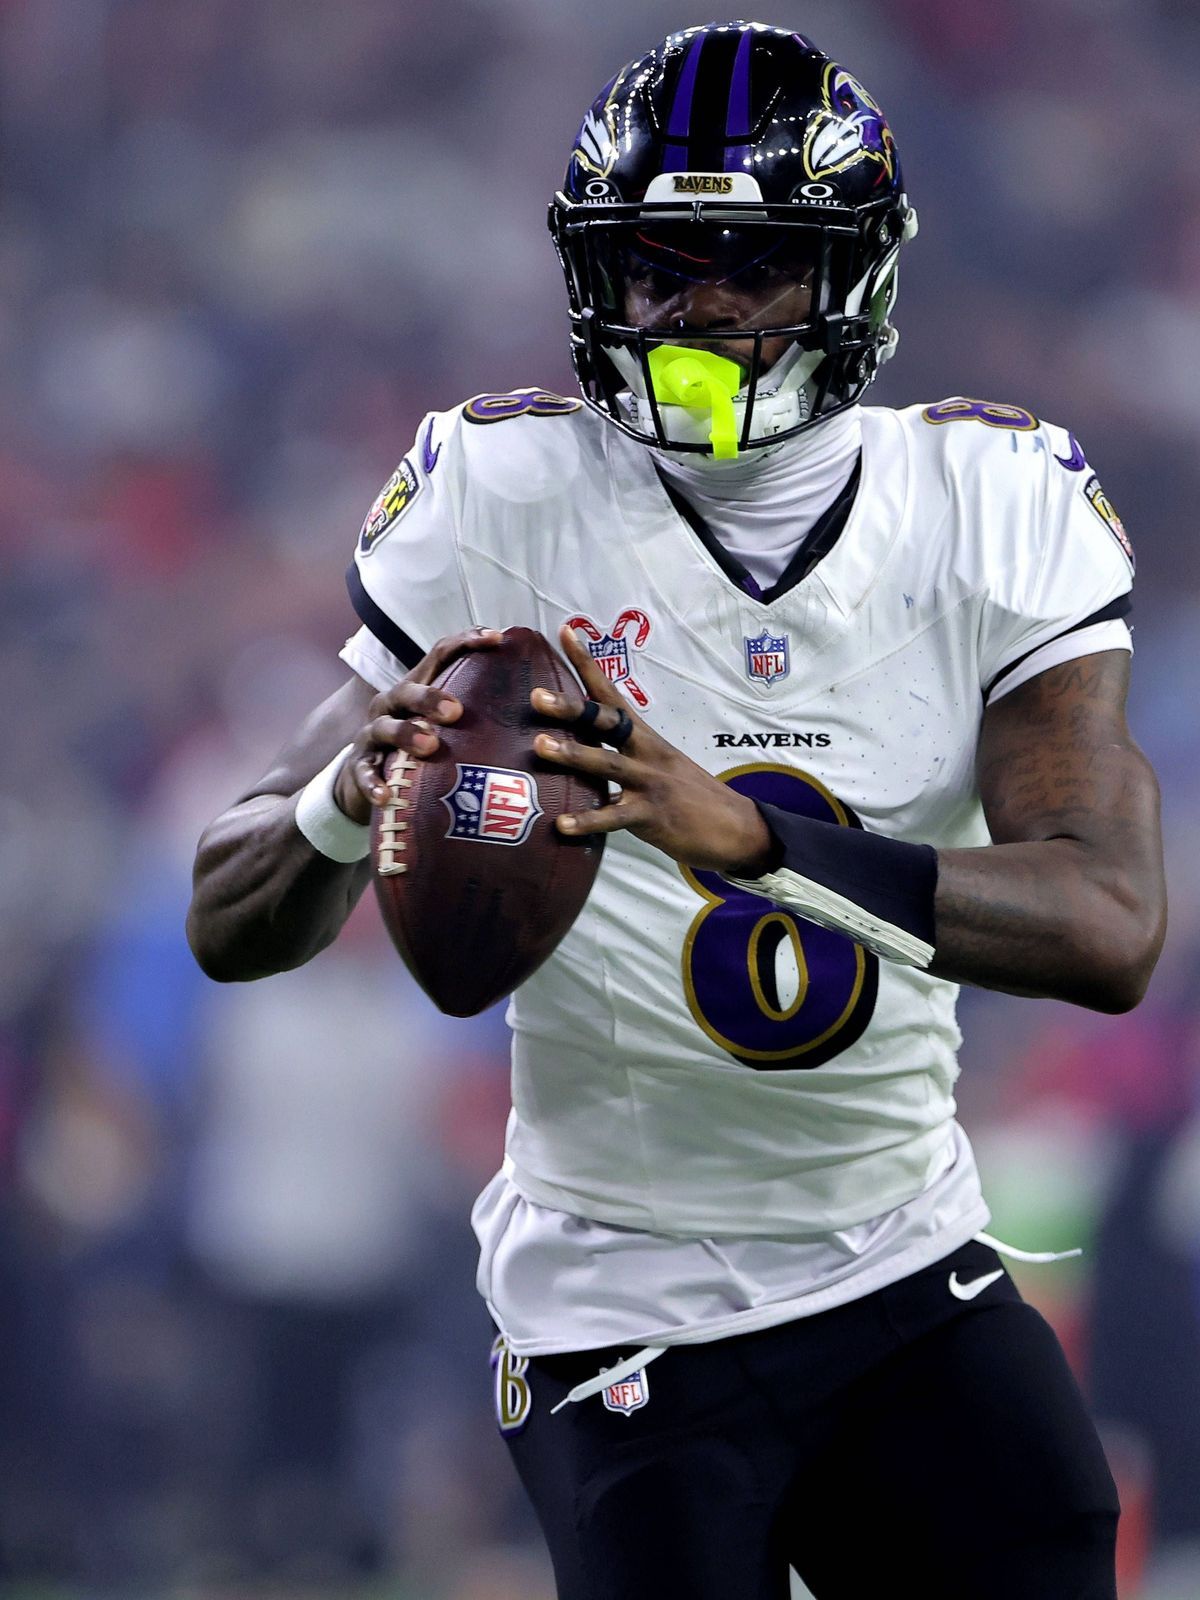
{"points": [[732, 955]]}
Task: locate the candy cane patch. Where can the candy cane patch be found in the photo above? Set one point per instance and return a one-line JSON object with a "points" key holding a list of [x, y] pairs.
{"points": [[613, 651]]}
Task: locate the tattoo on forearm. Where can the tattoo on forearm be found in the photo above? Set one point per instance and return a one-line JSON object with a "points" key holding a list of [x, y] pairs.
{"points": [[1072, 806]]}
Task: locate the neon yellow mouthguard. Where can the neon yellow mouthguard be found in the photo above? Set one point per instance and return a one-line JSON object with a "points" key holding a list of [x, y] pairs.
{"points": [[698, 380]]}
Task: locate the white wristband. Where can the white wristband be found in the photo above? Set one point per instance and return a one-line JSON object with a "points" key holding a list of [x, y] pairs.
{"points": [[322, 822]]}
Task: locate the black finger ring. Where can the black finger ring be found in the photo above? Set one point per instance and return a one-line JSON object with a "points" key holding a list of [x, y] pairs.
{"points": [[591, 710], [619, 736]]}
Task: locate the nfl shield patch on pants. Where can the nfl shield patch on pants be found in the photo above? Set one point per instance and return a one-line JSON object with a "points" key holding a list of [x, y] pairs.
{"points": [[630, 1394]]}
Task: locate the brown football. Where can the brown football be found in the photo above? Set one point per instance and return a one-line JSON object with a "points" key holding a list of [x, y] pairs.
{"points": [[475, 883]]}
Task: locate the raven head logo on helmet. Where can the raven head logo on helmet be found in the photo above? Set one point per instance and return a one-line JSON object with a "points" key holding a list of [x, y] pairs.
{"points": [[729, 227], [852, 129]]}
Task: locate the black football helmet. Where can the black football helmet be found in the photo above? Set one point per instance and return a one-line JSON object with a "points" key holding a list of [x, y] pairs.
{"points": [[734, 153]]}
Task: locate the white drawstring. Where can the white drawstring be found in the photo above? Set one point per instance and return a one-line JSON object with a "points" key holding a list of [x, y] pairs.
{"points": [[1011, 1251], [609, 1375], [642, 1358]]}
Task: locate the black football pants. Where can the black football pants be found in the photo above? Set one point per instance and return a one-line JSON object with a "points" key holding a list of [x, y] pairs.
{"points": [[907, 1444]]}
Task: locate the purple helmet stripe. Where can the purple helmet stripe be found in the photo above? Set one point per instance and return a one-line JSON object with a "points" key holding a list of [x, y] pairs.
{"points": [[679, 122], [737, 117]]}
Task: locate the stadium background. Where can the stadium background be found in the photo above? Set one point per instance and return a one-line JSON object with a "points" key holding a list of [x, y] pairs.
{"points": [[245, 244]]}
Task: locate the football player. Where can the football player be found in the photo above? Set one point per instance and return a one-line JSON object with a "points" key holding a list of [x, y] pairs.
{"points": [[859, 677]]}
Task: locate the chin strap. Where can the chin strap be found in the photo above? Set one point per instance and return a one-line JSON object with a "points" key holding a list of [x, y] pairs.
{"points": [[699, 380]]}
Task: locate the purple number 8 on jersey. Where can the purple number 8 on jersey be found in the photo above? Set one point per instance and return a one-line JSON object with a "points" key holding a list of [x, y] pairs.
{"points": [[501, 407], [989, 412], [779, 993]]}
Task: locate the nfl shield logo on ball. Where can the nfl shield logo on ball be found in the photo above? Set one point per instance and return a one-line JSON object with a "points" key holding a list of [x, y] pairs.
{"points": [[631, 1394], [768, 657], [491, 805]]}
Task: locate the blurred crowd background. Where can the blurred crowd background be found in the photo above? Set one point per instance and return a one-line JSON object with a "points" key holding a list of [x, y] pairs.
{"points": [[244, 245]]}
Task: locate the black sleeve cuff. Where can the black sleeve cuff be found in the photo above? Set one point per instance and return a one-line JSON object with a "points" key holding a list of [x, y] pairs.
{"points": [[1112, 612], [391, 637]]}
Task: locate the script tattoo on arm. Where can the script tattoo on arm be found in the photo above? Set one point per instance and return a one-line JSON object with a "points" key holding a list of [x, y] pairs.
{"points": [[1069, 900]]}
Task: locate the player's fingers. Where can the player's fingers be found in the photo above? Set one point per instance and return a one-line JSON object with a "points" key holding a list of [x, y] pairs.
{"points": [[366, 775], [626, 724], [617, 728], [562, 707], [596, 759], [627, 812], [612, 724], [414, 734], [449, 649], [411, 699], [415, 738], [378, 740]]}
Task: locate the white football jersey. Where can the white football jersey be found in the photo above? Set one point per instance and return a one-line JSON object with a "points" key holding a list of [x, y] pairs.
{"points": [[692, 1062]]}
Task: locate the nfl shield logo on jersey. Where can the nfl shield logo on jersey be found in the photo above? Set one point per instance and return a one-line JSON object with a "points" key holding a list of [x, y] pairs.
{"points": [[491, 805], [768, 657], [611, 656], [629, 1395]]}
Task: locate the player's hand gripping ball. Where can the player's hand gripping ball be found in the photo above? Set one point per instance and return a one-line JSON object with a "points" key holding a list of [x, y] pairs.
{"points": [[475, 883]]}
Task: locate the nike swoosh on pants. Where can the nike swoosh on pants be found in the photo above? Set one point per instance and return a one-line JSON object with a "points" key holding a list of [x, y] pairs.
{"points": [[968, 1291]]}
